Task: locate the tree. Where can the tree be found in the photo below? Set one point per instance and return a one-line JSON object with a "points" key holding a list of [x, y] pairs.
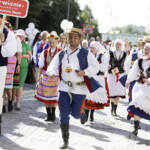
{"points": [[87, 18]]}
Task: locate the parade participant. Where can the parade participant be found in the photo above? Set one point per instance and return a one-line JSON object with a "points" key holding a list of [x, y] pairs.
{"points": [[73, 64], [62, 41], [10, 72], [99, 98], [26, 53], [116, 70], [85, 44], [135, 54], [8, 48], [37, 50], [37, 38], [46, 90], [127, 47], [140, 105]]}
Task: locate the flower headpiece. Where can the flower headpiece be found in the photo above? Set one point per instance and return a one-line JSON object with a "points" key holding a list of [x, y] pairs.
{"points": [[52, 36]]}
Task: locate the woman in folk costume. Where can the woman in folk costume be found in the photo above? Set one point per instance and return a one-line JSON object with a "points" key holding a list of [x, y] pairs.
{"points": [[136, 53], [99, 98], [116, 70], [46, 90], [140, 104]]}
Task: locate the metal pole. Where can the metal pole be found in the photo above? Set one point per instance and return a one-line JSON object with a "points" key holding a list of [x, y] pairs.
{"points": [[17, 23], [68, 12]]}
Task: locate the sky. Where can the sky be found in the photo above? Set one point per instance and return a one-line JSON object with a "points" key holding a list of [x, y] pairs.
{"points": [[111, 13]]}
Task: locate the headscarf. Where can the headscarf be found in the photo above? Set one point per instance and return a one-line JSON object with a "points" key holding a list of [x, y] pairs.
{"points": [[99, 47], [119, 41]]}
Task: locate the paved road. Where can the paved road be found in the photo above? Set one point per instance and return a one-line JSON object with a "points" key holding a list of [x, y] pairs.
{"points": [[27, 130]]}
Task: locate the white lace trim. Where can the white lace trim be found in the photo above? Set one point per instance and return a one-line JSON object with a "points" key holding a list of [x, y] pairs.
{"points": [[141, 107]]}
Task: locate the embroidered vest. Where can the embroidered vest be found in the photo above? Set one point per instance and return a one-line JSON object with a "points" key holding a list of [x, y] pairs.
{"points": [[3, 60], [117, 63], [46, 52], [99, 59], [40, 47], [91, 83]]}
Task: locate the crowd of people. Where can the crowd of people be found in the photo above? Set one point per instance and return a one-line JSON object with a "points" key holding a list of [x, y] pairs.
{"points": [[75, 74]]}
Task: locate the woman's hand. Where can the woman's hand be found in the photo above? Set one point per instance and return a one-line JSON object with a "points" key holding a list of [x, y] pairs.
{"points": [[52, 76], [127, 85], [146, 81]]}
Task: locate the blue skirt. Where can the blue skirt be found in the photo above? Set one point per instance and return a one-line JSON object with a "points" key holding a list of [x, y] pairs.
{"points": [[138, 112]]}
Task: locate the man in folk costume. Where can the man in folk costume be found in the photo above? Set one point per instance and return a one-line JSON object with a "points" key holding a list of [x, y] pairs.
{"points": [[37, 50], [8, 47], [75, 66], [136, 53], [116, 70], [46, 90]]}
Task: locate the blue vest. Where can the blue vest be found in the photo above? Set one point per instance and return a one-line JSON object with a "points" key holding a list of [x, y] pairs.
{"points": [[40, 48], [134, 55], [91, 83], [3, 60]]}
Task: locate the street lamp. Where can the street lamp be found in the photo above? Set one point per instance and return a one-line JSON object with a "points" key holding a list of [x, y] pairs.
{"points": [[68, 12]]}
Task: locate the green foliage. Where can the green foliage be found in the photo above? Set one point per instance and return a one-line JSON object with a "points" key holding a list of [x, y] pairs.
{"points": [[48, 14]]}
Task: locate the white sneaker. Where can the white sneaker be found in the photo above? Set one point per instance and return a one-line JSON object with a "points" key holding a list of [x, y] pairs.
{"points": [[18, 107]]}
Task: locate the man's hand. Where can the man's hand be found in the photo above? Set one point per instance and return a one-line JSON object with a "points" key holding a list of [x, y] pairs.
{"points": [[1, 37], [81, 73]]}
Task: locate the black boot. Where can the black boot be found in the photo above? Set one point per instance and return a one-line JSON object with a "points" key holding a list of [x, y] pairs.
{"points": [[53, 114], [10, 106], [84, 117], [136, 127], [65, 135], [128, 117], [92, 115], [48, 110], [87, 113], [4, 109], [115, 109], [112, 107], [0, 124]]}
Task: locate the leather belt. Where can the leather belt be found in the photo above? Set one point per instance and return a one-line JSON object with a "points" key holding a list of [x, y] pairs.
{"points": [[69, 83]]}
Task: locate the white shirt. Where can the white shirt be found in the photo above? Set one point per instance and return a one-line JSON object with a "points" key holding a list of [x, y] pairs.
{"points": [[128, 62], [9, 47], [70, 59], [134, 72]]}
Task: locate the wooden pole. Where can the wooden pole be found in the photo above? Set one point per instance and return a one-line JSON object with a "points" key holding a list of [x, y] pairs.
{"points": [[2, 26]]}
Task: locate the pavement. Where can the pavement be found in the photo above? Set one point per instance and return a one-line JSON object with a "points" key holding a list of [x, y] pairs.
{"points": [[27, 130]]}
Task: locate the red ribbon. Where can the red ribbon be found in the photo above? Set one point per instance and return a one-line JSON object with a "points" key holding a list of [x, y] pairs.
{"points": [[117, 77]]}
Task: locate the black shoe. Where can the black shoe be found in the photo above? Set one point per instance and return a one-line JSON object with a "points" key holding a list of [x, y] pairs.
{"points": [[83, 119], [135, 132], [53, 117], [65, 135], [48, 110], [4, 109], [128, 117], [64, 145], [10, 106]]}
